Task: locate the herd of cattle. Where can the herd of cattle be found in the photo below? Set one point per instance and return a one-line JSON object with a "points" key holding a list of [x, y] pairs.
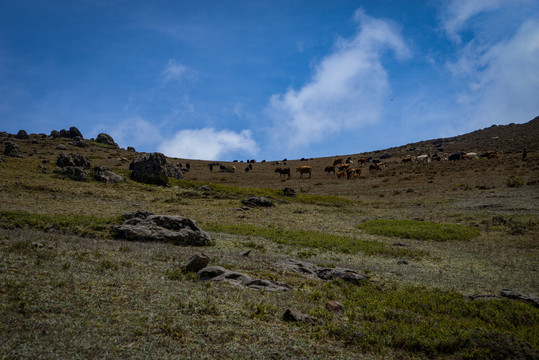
{"points": [[344, 168]]}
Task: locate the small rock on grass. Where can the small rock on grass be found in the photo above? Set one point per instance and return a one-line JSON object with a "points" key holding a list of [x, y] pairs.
{"points": [[294, 315], [196, 263]]}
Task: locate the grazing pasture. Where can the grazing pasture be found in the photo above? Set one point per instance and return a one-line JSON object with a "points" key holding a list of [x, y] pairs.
{"points": [[438, 241]]}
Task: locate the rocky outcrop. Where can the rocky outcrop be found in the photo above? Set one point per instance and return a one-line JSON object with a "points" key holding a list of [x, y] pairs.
{"points": [[322, 273], [23, 135], [73, 132], [163, 228], [509, 294], [64, 160], [103, 138], [104, 174], [257, 201], [12, 149], [218, 273], [196, 263], [55, 134], [154, 169], [78, 141]]}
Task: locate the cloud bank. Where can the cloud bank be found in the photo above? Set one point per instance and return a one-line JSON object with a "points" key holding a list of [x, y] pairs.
{"points": [[209, 144], [346, 91]]}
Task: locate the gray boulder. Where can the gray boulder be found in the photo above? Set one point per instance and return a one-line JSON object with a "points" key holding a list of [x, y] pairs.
{"points": [[61, 147], [55, 134], [80, 160], [257, 201], [103, 138], [104, 174], [196, 263], [12, 149], [322, 273], [78, 141], [218, 273], [65, 134], [75, 173], [163, 228], [154, 169], [22, 134], [64, 160]]}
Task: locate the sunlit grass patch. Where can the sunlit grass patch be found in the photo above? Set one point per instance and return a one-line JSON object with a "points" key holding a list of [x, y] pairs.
{"points": [[83, 225], [316, 240], [420, 230]]}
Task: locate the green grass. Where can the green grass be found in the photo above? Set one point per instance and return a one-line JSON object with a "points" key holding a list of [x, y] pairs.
{"points": [[315, 240], [82, 225], [420, 230], [271, 193], [431, 322]]}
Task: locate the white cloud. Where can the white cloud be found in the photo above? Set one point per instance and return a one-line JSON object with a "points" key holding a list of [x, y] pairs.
{"points": [[500, 79], [135, 132], [346, 91], [209, 144], [174, 71]]}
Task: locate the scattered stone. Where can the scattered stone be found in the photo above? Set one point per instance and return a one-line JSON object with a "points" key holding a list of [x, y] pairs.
{"points": [[154, 169], [61, 147], [196, 263], [246, 253], [289, 192], [242, 208], [294, 315], [73, 132], [401, 244], [335, 307], [42, 169], [12, 149], [402, 262], [64, 160], [76, 173], [257, 201], [53, 229], [218, 273], [517, 296], [163, 228], [81, 160], [103, 138], [78, 141], [37, 245], [317, 272], [140, 214], [204, 188], [104, 174], [484, 297], [22, 134]]}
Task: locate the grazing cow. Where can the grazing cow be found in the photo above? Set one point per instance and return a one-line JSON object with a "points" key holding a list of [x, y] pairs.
{"points": [[376, 161], [250, 166], [188, 166], [329, 169], [224, 168], [247, 169], [457, 156], [423, 159], [490, 155], [212, 164], [349, 160], [362, 161], [375, 167], [407, 159], [357, 171], [471, 155], [436, 157], [305, 169], [283, 171], [344, 167], [337, 161], [341, 174]]}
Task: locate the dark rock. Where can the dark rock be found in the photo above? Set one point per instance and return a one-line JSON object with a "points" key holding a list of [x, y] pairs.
{"points": [[218, 273], [204, 188], [335, 307], [294, 315], [73, 132], [257, 201], [23, 135], [81, 160], [402, 262], [289, 192], [37, 245], [103, 138], [517, 296], [246, 253], [104, 174], [163, 228], [42, 169], [196, 263], [12, 149], [130, 148], [386, 156], [141, 214], [317, 272], [64, 160], [35, 142], [55, 134], [154, 169], [65, 134], [61, 147], [77, 141], [76, 173], [53, 229]]}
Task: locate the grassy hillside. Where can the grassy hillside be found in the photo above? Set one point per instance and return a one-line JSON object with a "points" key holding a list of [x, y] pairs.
{"points": [[428, 237]]}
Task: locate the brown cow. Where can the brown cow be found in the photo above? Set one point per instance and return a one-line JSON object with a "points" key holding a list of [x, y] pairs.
{"points": [[304, 170], [341, 174], [344, 167], [337, 161], [283, 171], [329, 169], [362, 161]]}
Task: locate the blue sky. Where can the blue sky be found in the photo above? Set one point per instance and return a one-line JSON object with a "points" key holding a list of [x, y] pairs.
{"points": [[224, 80]]}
